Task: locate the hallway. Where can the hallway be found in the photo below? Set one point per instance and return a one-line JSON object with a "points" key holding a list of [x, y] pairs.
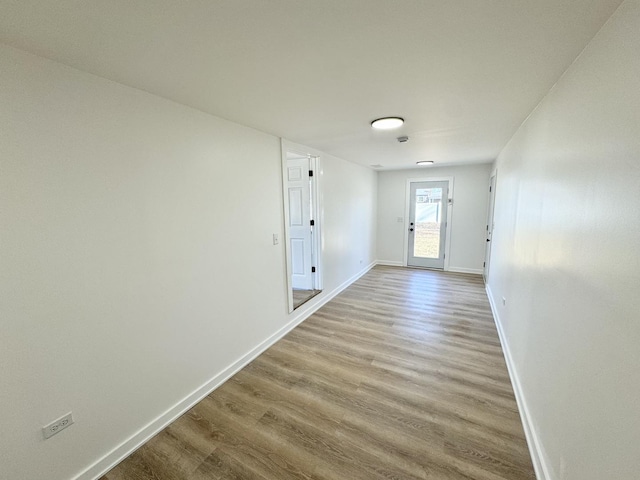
{"points": [[400, 376]]}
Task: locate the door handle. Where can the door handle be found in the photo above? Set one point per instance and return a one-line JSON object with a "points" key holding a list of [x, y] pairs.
{"points": [[488, 240], [411, 230]]}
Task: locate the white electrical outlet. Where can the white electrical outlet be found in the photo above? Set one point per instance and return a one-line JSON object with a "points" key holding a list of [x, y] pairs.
{"points": [[57, 425], [276, 240]]}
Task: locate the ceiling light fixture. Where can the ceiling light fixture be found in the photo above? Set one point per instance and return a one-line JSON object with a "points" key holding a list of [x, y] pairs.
{"points": [[425, 162], [387, 123]]}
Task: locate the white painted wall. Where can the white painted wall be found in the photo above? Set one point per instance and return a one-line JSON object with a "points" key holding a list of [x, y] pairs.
{"points": [[349, 218], [133, 229], [565, 257], [471, 188]]}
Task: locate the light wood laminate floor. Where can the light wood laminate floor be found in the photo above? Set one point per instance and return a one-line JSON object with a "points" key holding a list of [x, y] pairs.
{"points": [[303, 296], [401, 376]]}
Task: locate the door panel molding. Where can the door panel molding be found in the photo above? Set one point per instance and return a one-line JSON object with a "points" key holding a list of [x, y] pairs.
{"points": [[299, 231]]}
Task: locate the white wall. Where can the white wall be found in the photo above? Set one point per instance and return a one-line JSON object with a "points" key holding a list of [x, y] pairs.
{"points": [[565, 256], [471, 189], [133, 229], [349, 218]]}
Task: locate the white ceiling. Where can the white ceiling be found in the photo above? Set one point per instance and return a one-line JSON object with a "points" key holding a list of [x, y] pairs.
{"points": [[463, 73]]}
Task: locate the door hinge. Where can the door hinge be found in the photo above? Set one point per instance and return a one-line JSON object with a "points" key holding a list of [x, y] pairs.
{"points": [[489, 188], [311, 173], [313, 269], [484, 264], [313, 222]]}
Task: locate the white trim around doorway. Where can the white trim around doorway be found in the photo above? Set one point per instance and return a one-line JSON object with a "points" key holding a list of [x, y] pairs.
{"points": [[447, 241]]}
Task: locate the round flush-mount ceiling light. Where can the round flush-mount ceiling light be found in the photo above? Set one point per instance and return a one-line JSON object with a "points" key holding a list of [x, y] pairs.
{"points": [[387, 123], [425, 162]]}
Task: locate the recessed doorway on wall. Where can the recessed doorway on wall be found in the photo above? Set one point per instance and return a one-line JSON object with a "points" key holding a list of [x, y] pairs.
{"points": [[490, 225], [302, 224], [429, 203]]}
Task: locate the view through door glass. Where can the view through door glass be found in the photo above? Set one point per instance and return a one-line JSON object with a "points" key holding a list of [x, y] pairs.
{"points": [[428, 213]]}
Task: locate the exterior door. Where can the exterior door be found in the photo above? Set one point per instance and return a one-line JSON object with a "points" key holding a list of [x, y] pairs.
{"points": [[428, 202], [487, 252], [300, 229]]}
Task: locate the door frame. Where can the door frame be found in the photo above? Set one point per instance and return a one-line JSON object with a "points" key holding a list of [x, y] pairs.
{"points": [[315, 164], [491, 206], [447, 240]]}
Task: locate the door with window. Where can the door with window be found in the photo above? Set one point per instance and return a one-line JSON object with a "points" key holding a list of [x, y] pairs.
{"points": [[428, 202]]}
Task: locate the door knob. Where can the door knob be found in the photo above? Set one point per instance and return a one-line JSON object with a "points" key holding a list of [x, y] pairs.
{"points": [[411, 230]]}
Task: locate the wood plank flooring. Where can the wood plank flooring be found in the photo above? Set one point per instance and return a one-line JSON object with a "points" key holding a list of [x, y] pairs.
{"points": [[399, 377], [303, 296]]}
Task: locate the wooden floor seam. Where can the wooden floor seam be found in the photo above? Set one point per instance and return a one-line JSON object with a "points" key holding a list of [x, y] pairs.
{"points": [[401, 376]]}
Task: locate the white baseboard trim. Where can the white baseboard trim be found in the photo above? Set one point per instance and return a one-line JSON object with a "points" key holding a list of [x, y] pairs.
{"points": [[134, 442], [475, 271], [535, 447], [390, 263]]}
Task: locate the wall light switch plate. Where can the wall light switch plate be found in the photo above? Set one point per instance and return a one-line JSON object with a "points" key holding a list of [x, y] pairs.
{"points": [[276, 240]]}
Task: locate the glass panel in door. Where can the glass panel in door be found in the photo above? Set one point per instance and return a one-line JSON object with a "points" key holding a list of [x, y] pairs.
{"points": [[428, 208]]}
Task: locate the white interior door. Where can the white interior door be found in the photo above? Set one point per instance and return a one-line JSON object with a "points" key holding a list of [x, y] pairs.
{"points": [[299, 198], [428, 203], [487, 253]]}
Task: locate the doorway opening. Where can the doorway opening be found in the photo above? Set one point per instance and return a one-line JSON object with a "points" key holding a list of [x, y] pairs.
{"points": [[302, 224], [428, 212], [490, 226]]}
